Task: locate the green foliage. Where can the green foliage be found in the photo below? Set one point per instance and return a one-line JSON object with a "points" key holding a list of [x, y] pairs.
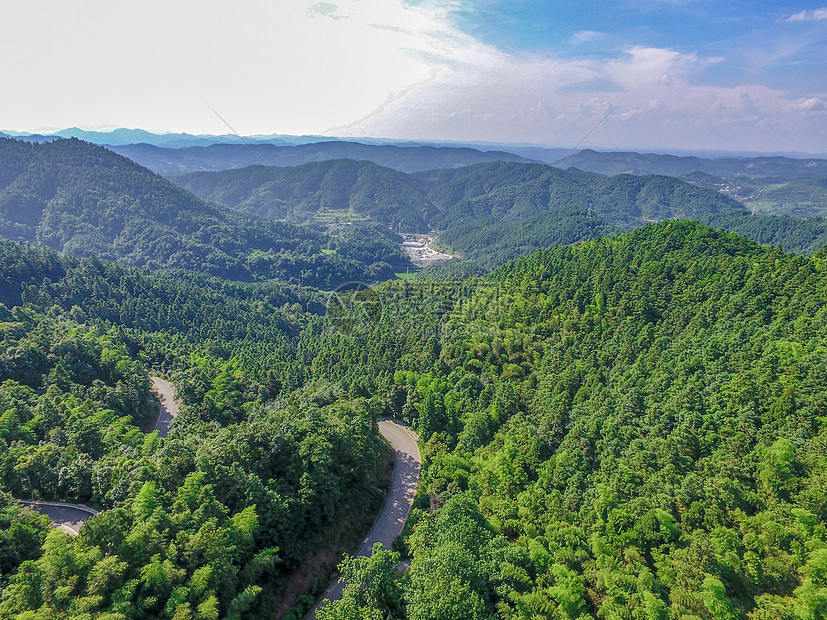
{"points": [[198, 523], [630, 428], [85, 200], [22, 532], [372, 589]]}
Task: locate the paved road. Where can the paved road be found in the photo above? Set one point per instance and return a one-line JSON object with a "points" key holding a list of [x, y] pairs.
{"points": [[169, 406], [397, 506], [70, 517], [67, 517]]}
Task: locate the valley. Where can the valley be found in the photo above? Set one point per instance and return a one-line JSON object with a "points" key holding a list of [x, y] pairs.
{"points": [[618, 402]]}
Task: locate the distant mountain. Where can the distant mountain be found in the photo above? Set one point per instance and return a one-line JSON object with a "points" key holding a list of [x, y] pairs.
{"points": [[297, 193], [492, 211], [671, 165], [169, 140], [30, 137], [123, 136], [767, 185], [514, 191], [439, 198], [85, 200], [173, 162]]}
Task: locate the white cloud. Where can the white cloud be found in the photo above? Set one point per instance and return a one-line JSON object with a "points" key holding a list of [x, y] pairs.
{"points": [[293, 67], [809, 104], [806, 16], [366, 67], [660, 100], [584, 36]]}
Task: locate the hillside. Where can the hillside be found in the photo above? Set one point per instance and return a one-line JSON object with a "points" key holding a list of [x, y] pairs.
{"points": [[177, 161], [330, 188], [612, 163], [767, 185], [224, 507], [516, 191], [490, 212], [439, 198], [632, 425], [629, 427], [84, 200]]}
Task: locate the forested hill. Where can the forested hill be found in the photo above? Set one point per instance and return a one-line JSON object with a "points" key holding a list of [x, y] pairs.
{"points": [[209, 522], [441, 198], [515, 191], [176, 161], [632, 427], [673, 165], [339, 186], [82, 199], [491, 212]]}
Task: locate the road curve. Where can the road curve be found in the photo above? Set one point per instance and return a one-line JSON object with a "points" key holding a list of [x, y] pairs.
{"points": [[70, 517], [168, 404], [391, 519], [67, 517]]}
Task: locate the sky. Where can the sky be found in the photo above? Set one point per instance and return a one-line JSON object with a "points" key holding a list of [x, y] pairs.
{"points": [[743, 75]]}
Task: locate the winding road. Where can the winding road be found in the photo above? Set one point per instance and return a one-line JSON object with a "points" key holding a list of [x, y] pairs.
{"points": [[66, 517], [391, 519], [389, 522], [70, 517], [169, 406]]}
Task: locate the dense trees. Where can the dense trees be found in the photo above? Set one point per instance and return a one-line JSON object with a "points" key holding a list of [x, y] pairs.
{"points": [[84, 200], [627, 428], [198, 524]]}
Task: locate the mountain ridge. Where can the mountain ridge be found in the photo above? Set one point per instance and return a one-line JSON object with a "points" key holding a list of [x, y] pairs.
{"points": [[83, 199]]}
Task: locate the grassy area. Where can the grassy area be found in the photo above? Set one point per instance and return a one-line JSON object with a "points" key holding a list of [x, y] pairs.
{"points": [[332, 217]]}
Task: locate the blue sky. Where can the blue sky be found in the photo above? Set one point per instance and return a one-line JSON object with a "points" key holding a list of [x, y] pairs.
{"points": [[755, 40], [670, 74]]}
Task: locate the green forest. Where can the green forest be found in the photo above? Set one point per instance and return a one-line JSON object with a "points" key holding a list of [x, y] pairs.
{"points": [[194, 526], [85, 200], [630, 427], [626, 428], [619, 417]]}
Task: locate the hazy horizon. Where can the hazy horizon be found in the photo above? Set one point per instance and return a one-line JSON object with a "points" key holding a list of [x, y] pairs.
{"points": [[310, 138], [659, 74]]}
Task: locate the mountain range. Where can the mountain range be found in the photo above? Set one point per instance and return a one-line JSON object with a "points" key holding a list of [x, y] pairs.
{"points": [[173, 162], [491, 211], [327, 222], [84, 200]]}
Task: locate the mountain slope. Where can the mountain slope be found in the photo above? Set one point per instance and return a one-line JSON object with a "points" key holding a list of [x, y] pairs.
{"points": [[491, 212], [650, 163], [382, 194], [514, 191], [767, 185], [84, 200], [173, 162], [439, 198], [626, 428], [213, 518]]}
